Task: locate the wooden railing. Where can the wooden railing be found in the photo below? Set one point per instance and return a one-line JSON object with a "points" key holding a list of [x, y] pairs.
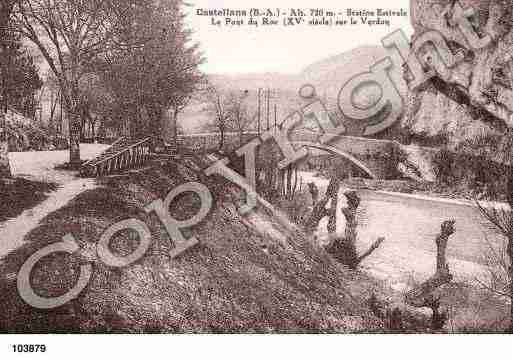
{"points": [[122, 155]]}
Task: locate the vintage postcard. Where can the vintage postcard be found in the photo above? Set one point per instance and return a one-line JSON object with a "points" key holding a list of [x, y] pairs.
{"points": [[255, 167]]}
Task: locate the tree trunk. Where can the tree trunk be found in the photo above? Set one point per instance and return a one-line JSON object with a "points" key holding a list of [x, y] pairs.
{"points": [[158, 128], [75, 132], [93, 129], [5, 168], [319, 210], [5, 14], [342, 248], [314, 192], [288, 170], [158, 134], [221, 140], [175, 128], [332, 222], [424, 294]]}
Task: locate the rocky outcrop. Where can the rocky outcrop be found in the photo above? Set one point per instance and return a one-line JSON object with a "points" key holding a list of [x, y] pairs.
{"points": [[418, 163], [474, 98]]}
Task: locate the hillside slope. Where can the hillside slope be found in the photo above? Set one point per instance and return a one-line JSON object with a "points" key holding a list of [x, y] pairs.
{"points": [[253, 274]]}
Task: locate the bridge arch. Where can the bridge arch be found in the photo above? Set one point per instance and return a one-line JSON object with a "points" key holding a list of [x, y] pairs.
{"points": [[334, 150]]}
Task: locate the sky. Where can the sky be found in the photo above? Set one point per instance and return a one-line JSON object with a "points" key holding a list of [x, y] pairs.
{"points": [[284, 49]]}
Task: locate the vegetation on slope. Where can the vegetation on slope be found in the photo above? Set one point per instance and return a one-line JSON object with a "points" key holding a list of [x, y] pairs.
{"points": [[252, 274], [19, 194]]}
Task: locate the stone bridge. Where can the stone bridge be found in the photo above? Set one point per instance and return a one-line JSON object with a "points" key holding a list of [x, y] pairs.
{"points": [[368, 157]]}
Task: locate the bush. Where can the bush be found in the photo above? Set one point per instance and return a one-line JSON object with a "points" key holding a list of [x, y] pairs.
{"points": [[24, 137], [475, 175]]}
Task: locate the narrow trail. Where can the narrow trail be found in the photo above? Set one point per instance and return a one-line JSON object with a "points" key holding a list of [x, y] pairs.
{"points": [[14, 230], [41, 166]]}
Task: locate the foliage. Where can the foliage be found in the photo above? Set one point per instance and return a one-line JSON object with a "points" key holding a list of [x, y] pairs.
{"points": [[218, 108], [20, 78], [229, 111], [474, 174], [147, 80], [71, 35], [500, 258], [31, 137]]}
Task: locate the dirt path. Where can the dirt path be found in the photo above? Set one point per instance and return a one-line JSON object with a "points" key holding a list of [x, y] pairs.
{"points": [[41, 166]]}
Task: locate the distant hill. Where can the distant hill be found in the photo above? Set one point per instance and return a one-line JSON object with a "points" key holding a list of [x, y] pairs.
{"points": [[327, 76], [331, 74], [287, 82]]}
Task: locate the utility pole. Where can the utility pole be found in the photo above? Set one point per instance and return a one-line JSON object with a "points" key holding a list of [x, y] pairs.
{"points": [[275, 117], [268, 108], [61, 125], [259, 109]]}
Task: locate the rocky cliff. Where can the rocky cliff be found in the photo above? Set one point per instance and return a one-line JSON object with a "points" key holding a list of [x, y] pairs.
{"points": [[473, 98]]}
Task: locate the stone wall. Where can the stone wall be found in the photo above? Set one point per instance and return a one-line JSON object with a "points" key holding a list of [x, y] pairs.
{"points": [[209, 142], [375, 154]]}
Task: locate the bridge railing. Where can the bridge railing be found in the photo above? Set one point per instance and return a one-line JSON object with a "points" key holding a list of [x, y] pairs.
{"points": [[126, 156], [115, 143]]}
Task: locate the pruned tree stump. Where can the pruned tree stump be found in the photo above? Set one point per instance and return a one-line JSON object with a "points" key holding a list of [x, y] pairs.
{"points": [[342, 248], [425, 295]]}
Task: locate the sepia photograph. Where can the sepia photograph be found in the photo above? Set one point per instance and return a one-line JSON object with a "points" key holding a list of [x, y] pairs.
{"points": [[255, 167]]}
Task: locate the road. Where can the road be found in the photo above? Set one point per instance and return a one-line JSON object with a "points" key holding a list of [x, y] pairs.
{"points": [[41, 166]]}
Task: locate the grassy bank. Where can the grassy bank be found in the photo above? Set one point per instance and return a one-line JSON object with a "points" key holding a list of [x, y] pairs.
{"points": [[253, 274], [470, 307]]}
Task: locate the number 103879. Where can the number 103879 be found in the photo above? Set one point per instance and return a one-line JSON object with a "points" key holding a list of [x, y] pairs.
{"points": [[29, 348]]}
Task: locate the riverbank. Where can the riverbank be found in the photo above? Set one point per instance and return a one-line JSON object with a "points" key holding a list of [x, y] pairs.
{"points": [[410, 224], [410, 248], [410, 189]]}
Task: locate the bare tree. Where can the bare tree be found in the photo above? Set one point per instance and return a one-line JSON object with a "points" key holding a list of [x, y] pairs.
{"points": [[54, 97], [219, 108], [341, 247], [428, 293], [6, 7], [178, 104], [70, 34], [53, 90], [239, 119]]}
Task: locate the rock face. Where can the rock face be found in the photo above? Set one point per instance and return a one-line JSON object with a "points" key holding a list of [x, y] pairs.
{"points": [[418, 164], [474, 97]]}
